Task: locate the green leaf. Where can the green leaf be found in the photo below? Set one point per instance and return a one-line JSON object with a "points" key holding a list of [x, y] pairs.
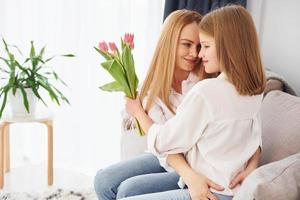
{"points": [[32, 50], [112, 87], [122, 43], [25, 70], [104, 54], [59, 79], [51, 93], [25, 99], [34, 87], [6, 47], [20, 52], [61, 95], [4, 91], [6, 61], [41, 54], [4, 70], [128, 63], [68, 55], [49, 59], [116, 71]]}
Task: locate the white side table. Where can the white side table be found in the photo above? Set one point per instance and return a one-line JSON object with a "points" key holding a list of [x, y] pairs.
{"points": [[4, 142]]}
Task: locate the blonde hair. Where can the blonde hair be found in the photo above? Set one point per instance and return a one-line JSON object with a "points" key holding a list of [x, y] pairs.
{"points": [[158, 81], [237, 47]]}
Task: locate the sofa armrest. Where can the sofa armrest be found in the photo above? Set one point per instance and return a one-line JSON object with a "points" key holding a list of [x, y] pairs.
{"points": [[276, 180]]}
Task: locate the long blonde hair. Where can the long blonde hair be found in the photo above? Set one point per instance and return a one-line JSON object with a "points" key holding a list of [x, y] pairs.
{"points": [[237, 47], [158, 82]]}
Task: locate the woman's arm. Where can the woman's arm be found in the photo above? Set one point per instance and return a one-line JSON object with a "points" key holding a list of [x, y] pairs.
{"points": [[198, 184], [251, 166]]}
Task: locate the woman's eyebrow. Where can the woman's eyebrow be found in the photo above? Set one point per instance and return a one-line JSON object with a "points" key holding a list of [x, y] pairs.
{"points": [[187, 40]]}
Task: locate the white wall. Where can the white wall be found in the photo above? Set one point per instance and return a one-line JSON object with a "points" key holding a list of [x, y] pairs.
{"points": [[278, 25]]}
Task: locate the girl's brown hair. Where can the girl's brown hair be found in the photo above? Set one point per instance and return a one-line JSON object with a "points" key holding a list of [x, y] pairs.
{"points": [[237, 47]]}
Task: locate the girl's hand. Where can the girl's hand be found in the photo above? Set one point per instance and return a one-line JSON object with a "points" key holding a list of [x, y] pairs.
{"points": [[198, 186], [239, 178], [251, 166], [133, 106]]}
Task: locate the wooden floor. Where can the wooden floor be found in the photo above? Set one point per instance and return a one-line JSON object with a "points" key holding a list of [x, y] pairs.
{"points": [[33, 178]]}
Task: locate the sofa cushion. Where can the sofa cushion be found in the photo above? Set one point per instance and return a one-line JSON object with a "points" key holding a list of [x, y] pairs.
{"points": [[276, 181], [280, 115], [132, 144]]}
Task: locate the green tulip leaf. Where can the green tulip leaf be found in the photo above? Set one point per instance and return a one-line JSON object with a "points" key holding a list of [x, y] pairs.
{"points": [[112, 87]]}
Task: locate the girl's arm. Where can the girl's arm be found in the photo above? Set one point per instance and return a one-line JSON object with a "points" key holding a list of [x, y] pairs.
{"points": [[251, 166], [178, 134], [198, 184]]}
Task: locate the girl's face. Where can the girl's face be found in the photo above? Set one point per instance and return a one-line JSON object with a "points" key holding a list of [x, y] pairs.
{"points": [[208, 53], [188, 48]]}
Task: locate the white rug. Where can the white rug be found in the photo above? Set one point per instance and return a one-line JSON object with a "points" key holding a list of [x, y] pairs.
{"points": [[55, 194]]}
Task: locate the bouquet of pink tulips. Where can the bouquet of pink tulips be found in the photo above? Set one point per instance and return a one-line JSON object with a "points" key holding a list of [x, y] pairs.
{"points": [[120, 65]]}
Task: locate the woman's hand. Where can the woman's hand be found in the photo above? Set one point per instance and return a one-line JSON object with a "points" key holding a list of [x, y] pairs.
{"points": [[251, 166], [198, 186], [133, 106]]}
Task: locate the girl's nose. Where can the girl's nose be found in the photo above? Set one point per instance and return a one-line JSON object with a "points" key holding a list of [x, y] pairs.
{"points": [[200, 54]]}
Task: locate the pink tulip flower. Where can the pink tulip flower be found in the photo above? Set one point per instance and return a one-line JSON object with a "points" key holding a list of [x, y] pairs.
{"points": [[113, 47], [103, 46], [128, 39]]}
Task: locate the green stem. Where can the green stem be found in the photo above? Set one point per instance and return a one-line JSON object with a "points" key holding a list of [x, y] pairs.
{"points": [[141, 132]]}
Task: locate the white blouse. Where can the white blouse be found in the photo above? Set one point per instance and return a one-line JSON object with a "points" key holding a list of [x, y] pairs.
{"points": [[217, 129], [160, 113]]}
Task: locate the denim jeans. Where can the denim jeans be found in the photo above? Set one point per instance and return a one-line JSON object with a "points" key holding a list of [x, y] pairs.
{"points": [[179, 194], [137, 176]]}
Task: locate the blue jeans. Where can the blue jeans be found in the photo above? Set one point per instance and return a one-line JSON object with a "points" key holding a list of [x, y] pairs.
{"points": [[179, 194], [137, 176]]}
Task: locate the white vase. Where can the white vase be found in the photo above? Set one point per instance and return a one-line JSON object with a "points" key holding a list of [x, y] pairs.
{"points": [[16, 103]]}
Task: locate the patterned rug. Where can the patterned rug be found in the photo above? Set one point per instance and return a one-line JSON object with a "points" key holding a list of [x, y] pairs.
{"points": [[57, 194]]}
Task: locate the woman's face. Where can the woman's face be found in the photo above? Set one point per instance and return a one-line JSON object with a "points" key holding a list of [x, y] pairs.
{"points": [[188, 48], [208, 53]]}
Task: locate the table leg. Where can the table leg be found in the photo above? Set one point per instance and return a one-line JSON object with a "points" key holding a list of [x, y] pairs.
{"points": [[2, 155], [50, 151], [6, 148]]}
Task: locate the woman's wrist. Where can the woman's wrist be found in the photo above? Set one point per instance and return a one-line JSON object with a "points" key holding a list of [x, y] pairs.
{"points": [[139, 114], [190, 176]]}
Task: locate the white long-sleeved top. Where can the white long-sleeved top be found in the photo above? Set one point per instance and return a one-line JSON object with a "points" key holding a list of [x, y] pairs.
{"points": [[160, 113], [217, 129]]}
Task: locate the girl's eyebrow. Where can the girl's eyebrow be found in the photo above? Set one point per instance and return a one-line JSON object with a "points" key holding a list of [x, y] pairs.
{"points": [[201, 42]]}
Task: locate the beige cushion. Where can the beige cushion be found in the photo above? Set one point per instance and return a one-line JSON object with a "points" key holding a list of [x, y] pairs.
{"points": [[275, 181], [280, 114], [132, 144], [273, 84]]}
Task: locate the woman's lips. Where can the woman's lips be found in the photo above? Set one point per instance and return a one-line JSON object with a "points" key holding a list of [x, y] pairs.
{"points": [[191, 61]]}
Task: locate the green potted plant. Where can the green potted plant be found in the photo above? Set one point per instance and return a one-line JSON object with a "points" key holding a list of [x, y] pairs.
{"points": [[27, 78]]}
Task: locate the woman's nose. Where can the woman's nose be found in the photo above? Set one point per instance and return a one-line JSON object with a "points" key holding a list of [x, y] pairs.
{"points": [[194, 52]]}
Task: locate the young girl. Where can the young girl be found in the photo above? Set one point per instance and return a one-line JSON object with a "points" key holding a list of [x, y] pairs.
{"points": [[217, 126]]}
